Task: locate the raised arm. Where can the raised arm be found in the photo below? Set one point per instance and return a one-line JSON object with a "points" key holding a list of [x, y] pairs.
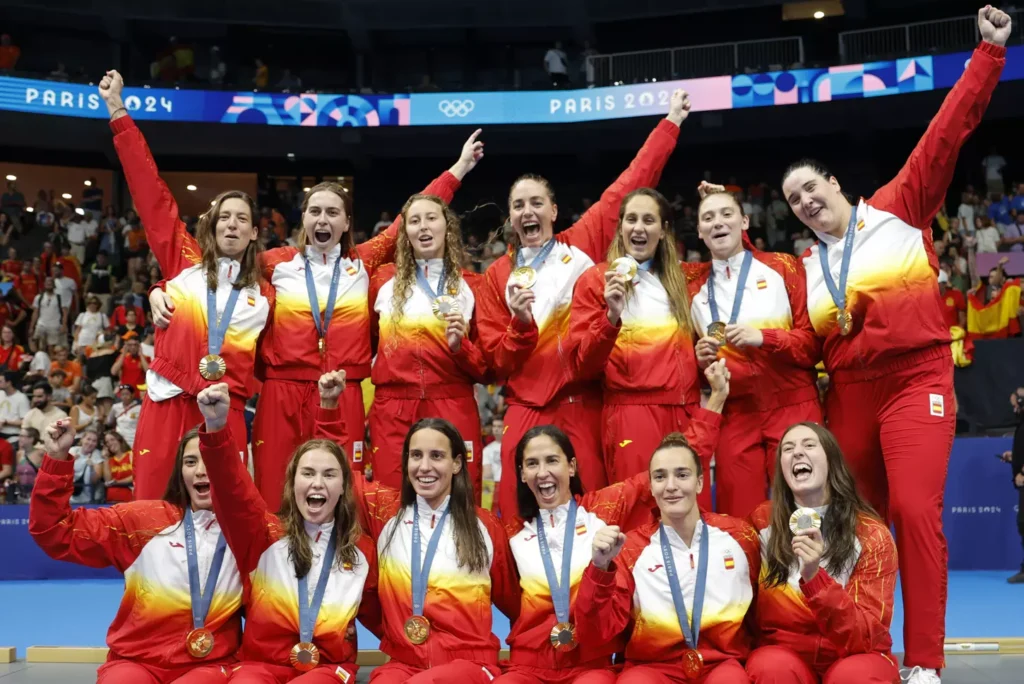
{"points": [[591, 330], [240, 509], [369, 606], [798, 346], [616, 503], [174, 248], [919, 189], [856, 618], [605, 594], [508, 339], [596, 228], [380, 249]]}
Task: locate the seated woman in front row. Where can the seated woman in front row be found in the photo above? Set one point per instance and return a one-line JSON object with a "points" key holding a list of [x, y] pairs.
{"points": [[829, 572]]}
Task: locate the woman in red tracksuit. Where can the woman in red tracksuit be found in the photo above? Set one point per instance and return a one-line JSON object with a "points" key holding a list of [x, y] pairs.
{"points": [[525, 303], [821, 621], [635, 331], [207, 342], [295, 629], [426, 359], [886, 349], [180, 618], [765, 335], [681, 586]]}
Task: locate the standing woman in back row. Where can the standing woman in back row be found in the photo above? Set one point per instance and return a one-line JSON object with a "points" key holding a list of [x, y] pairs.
{"points": [[525, 302], [873, 297], [213, 280]]}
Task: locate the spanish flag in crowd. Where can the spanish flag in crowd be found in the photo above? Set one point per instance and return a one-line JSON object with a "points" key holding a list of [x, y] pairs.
{"points": [[998, 318]]}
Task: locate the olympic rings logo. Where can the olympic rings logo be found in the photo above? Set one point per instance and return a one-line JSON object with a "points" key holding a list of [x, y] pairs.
{"points": [[453, 108]]}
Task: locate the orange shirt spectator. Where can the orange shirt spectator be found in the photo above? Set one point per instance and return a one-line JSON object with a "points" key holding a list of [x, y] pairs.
{"points": [[11, 266], [9, 53], [135, 240], [131, 366], [72, 369], [262, 74], [280, 225]]}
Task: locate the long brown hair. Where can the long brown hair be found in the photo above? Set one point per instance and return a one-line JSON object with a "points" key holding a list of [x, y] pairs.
{"points": [[346, 519], [470, 548], [176, 493], [514, 243], [206, 236], [666, 260], [347, 241], [844, 509], [405, 258]]}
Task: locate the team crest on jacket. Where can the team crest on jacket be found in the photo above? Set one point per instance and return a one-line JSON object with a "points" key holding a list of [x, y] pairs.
{"points": [[251, 301], [730, 563], [762, 283], [581, 529]]}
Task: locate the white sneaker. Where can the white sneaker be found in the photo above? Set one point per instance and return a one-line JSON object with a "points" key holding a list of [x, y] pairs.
{"points": [[920, 675]]}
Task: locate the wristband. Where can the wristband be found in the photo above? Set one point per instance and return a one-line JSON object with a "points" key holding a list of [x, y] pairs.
{"points": [[119, 109]]}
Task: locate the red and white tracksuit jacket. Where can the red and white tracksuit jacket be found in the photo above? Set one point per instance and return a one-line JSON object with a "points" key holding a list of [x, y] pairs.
{"points": [[892, 405], [533, 359], [649, 370], [529, 637], [632, 598], [290, 360], [173, 379], [146, 541], [772, 386], [415, 374], [830, 618], [261, 545]]}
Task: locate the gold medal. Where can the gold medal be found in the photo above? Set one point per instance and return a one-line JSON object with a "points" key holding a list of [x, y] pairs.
{"points": [[693, 663], [444, 305], [804, 519], [212, 367], [844, 319], [563, 636], [199, 642], [524, 277], [304, 656], [417, 629], [626, 267], [717, 331]]}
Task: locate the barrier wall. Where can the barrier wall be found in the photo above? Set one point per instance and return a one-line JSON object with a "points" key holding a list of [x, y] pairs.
{"points": [[979, 520]]}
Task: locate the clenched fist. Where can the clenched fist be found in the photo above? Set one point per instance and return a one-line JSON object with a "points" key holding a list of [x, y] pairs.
{"points": [[607, 543]]}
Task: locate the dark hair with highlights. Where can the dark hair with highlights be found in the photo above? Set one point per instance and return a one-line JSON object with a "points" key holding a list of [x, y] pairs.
{"points": [[528, 508], [347, 241], [845, 506], [515, 243], [676, 440], [176, 493]]}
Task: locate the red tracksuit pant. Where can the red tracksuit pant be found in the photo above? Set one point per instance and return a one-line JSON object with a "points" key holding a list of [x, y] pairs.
{"points": [[724, 672], [266, 673], [780, 665], [895, 425], [391, 418], [522, 674], [285, 417], [461, 671], [161, 425], [745, 458], [130, 672], [579, 417]]}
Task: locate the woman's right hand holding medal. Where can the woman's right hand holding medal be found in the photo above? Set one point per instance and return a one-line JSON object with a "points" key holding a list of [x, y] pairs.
{"points": [[521, 302], [215, 404], [707, 351], [614, 295], [607, 543]]}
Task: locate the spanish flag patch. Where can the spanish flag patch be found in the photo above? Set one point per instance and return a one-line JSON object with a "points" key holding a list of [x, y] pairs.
{"points": [[729, 562], [347, 567], [860, 224], [343, 675], [351, 270], [581, 529], [252, 301], [762, 283], [567, 258]]}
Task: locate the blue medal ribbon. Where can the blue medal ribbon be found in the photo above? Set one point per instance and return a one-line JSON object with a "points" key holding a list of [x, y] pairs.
{"points": [[839, 293], [645, 265], [309, 609], [314, 304], [421, 571], [539, 259], [559, 589], [691, 631], [741, 284], [421, 280], [218, 328], [201, 601]]}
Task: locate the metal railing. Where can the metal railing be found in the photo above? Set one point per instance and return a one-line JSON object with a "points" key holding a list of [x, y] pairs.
{"points": [[922, 38], [718, 59]]}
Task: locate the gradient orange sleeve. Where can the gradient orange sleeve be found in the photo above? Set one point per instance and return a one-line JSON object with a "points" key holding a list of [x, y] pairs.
{"points": [[856, 618], [596, 229], [505, 589], [507, 342], [248, 527], [919, 190], [174, 248], [799, 346], [609, 594], [702, 433], [591, 334], [96, 537], [329, 424]]}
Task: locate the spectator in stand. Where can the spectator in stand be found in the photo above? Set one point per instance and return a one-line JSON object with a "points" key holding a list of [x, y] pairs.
{"points": [[13, 407], [100, 281], [6, 464], [382, 223], [760, 244], [1013, 236], [72, 266], [999, 211], [802, 242], [135, 246], [9, 53], [131, 366], [556, 64], [28, 283], [1017, 201], [85, 412], [28, 457], [11, 310], [38, 369], [117, 468], [218, 69], [92, 197], [72, 369], [7, 230], [776, 215], [12, 203], [43, 413], [49, 324], [131, 327], [587, 64], [993, 165], [124, 416], [60, 395], [954, 304], [89, 325], [289, 82], [987, 237], [11, 266], [262, 76], [64, 286], [120, 317], [80, 228], [88, 468], [109, 231], [491, 461]]}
